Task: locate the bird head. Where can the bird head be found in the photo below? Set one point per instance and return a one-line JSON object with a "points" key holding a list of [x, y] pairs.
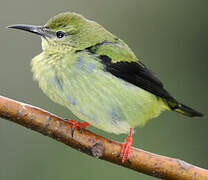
{"points": [[67, 30]]}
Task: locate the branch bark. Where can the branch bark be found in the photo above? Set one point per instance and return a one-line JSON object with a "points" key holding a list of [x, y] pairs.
{"points": [[97, 146]]}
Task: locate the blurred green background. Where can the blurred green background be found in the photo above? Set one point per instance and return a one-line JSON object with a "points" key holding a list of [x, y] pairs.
{"points": [[171, 36]]}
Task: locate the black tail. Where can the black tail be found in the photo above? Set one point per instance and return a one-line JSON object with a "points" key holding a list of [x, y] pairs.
{"points": [[183, 109], [187, 111]]}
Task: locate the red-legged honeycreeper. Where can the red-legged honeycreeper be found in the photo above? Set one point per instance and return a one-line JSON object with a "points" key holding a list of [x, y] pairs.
{"points": [[97, 76]]}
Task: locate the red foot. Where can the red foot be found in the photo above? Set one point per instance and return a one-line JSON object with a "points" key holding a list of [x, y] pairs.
{"points": [[125, 150], [81, 125]]}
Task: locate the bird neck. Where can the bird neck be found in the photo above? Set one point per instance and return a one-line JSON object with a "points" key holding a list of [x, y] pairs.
{"points": [[54, 46]]}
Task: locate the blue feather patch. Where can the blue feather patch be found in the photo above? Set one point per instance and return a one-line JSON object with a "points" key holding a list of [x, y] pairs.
{"points": [[71, 100], [56, 82], [115, 116], [79, 63], [89, 67]]}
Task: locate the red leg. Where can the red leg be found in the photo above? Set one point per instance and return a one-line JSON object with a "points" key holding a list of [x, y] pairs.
{"points": [[125, 150], [81, 125]]}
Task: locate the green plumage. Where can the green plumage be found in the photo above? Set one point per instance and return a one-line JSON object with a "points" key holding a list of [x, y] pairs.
{"points": [[80, 83], [97, 76]]}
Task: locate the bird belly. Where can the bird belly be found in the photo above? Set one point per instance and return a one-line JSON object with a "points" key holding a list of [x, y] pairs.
{"points": [[103, 100]]}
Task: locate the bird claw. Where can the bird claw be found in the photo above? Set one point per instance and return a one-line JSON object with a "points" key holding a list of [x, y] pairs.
{"points": [[126, 147], [80, 125]]}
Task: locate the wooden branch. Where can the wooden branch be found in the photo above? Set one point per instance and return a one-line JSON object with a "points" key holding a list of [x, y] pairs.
{"points": [[97, 146]]}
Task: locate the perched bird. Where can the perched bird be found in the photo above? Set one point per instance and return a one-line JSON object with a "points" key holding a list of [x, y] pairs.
{"points": [[97, 76]]}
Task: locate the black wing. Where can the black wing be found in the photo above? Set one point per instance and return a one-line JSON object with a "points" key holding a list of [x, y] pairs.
{"points": [[138, 75], [133, 72]]}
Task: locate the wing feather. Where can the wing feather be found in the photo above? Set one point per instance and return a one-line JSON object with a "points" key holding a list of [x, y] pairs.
{"points": [[120, 61]]}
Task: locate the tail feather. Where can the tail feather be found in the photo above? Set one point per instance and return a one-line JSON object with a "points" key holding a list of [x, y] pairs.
{"points": [[187, 111], [183, 109]]}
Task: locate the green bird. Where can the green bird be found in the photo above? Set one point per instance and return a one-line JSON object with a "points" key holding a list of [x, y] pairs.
{"points": [[97, 76]]}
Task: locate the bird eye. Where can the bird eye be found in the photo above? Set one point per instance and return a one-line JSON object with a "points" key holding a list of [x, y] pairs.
{"points": [[60, 34]]}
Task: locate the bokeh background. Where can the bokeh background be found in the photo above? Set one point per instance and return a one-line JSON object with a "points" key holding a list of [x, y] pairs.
{"points": [[172, 39]]}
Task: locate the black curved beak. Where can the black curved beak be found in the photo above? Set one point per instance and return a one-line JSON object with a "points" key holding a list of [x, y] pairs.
{"points": [[40, 30]]}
